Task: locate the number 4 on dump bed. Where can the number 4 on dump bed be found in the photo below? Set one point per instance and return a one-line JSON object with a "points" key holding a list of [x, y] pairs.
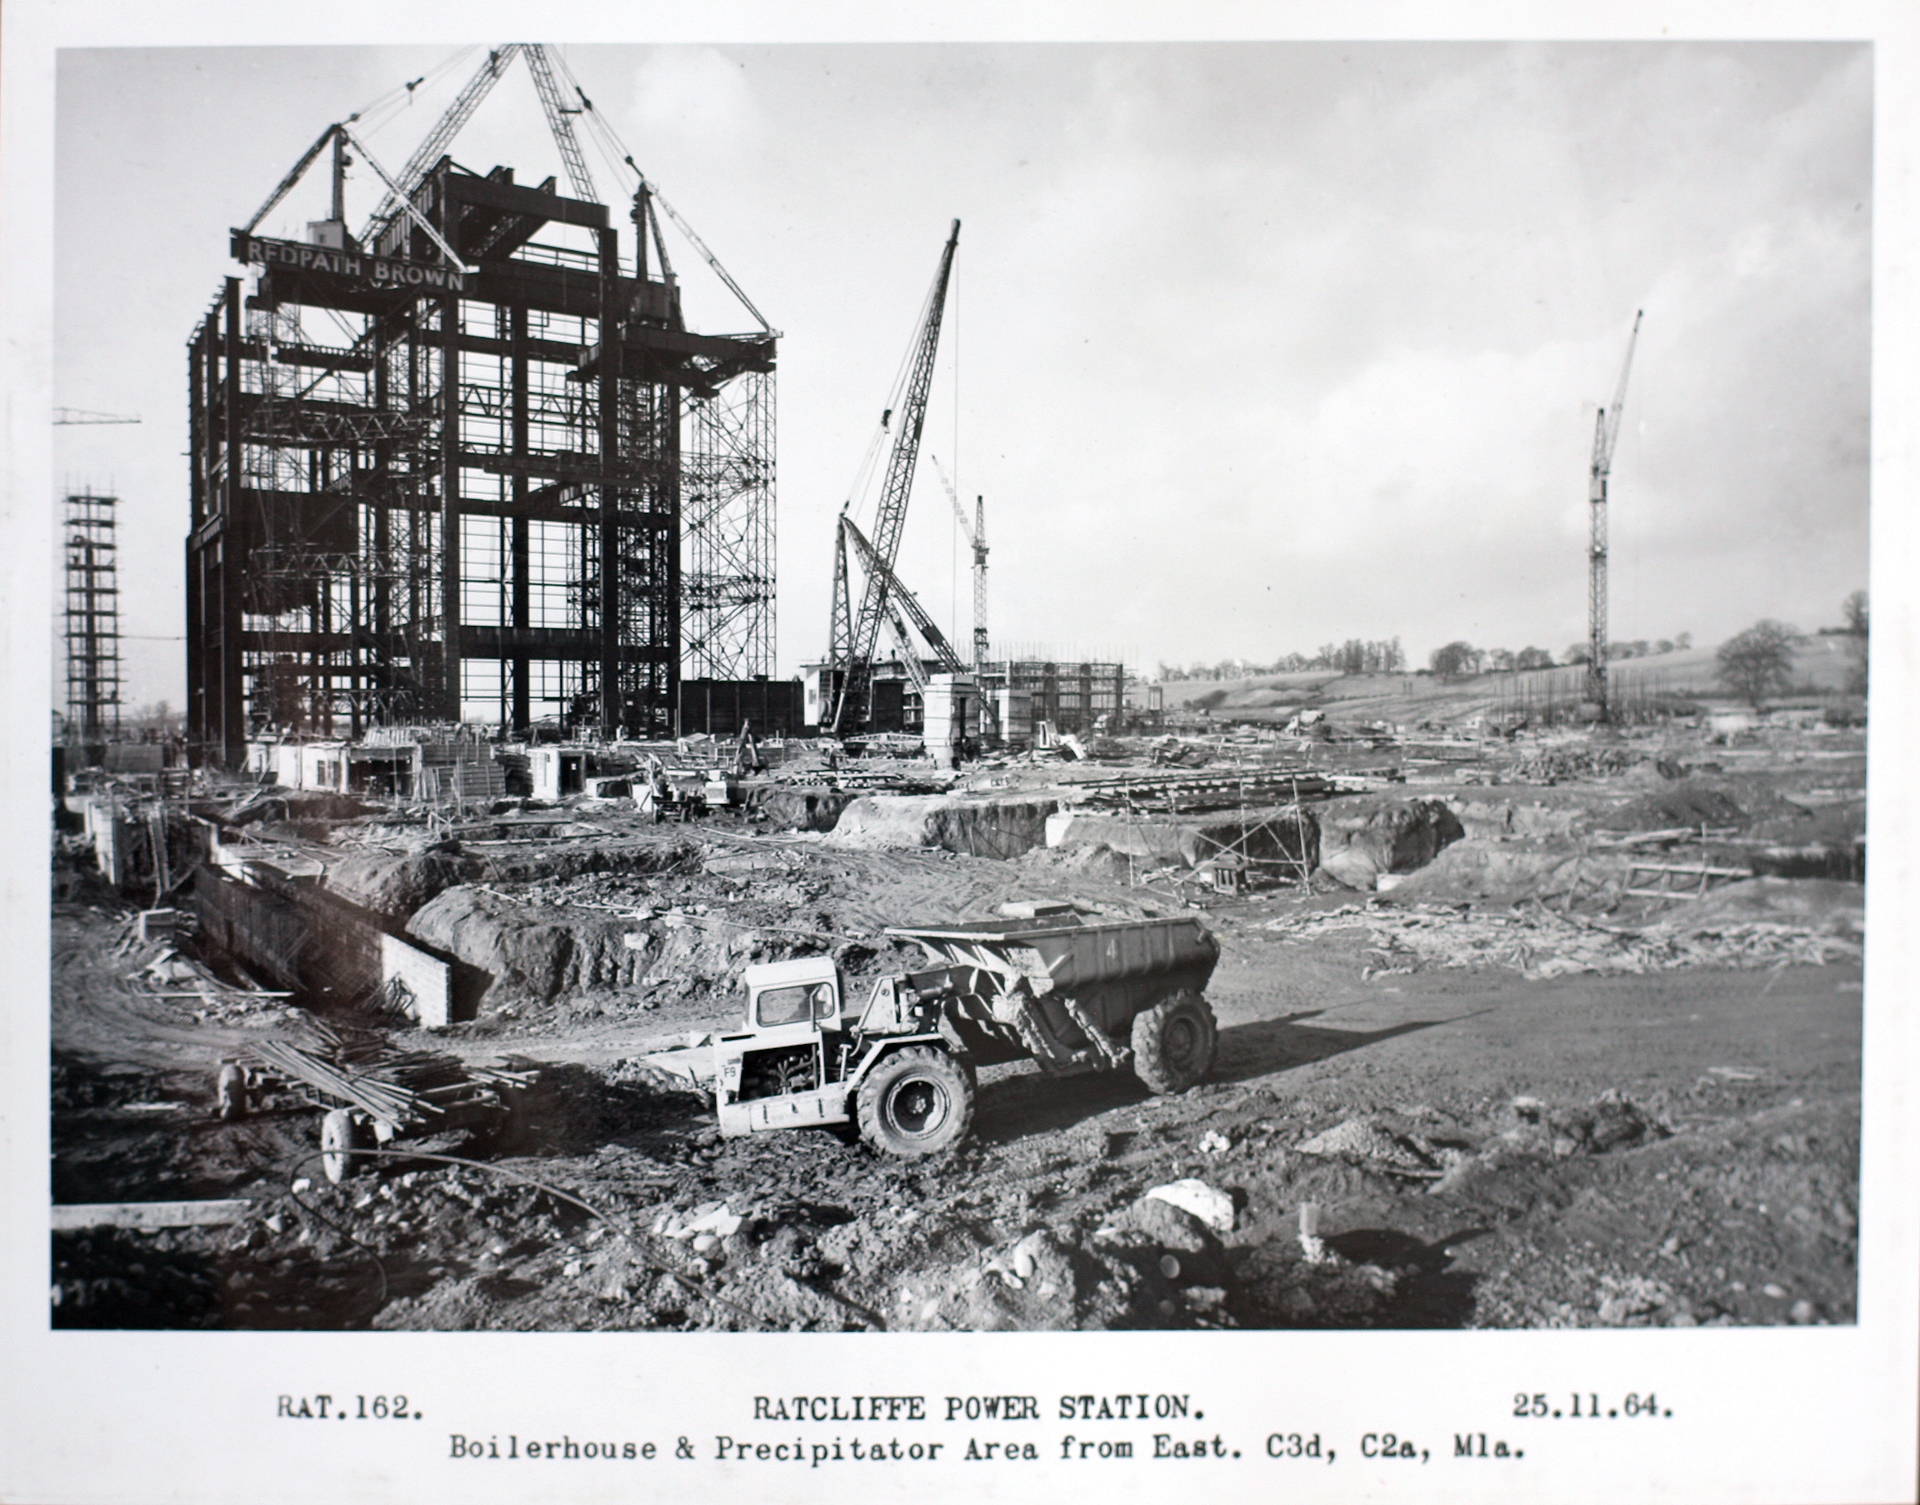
{"points": [[1071, 996]]}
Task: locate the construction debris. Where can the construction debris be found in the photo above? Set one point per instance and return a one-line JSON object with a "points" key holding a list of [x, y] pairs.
{"points": [[1541, 944], [400, 1091], [1301, 1190]]}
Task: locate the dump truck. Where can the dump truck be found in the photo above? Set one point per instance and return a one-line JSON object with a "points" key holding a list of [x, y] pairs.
{"points": [[1072, 996]]}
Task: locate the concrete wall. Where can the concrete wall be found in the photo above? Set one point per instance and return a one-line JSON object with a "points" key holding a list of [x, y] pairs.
{"points": [[950, 716], [1015, 716], [427, 979]]}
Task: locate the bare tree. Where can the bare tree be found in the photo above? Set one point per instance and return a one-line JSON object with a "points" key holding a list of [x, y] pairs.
{"points": [[1758, 662], [1854, 609]]}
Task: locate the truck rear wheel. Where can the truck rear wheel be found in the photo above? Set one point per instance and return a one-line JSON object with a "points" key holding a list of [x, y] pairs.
{"points": [[917, 1102], [1173, 1043]]}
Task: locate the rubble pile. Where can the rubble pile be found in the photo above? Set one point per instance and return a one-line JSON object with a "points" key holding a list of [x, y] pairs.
{"points": [[1540, 944], [1573, 760]]}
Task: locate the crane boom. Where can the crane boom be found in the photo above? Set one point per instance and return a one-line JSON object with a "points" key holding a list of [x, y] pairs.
{"points": [[897, 593], [64, 416], [946, 481], [285, 186], [1603, 450], [557, 122], [909, 655], [445, 129], [891, 513]]}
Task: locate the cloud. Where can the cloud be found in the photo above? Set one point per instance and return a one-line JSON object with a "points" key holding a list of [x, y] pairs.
{"points": [[691, 96]]}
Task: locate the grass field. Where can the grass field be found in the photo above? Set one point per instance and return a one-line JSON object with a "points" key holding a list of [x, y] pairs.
{"points": [[1821, 665]]}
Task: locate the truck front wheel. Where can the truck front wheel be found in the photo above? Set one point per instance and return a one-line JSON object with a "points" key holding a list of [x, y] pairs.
{"points": [[1173, 1043], [917, 1102]]}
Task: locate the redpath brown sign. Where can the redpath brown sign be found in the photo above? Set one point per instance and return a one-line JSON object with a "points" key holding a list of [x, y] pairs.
{"points": [[378, 273]]}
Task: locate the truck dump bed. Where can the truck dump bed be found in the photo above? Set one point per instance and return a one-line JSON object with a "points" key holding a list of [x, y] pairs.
{"points": [[1111, 969]]}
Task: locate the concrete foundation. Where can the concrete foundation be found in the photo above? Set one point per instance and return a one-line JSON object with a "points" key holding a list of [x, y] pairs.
{"points": [[976, 828]]}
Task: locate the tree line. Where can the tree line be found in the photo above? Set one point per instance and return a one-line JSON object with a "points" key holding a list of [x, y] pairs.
{"points": [[1355, 656], [1754, 664], [1462, 658], [1386, 656]]}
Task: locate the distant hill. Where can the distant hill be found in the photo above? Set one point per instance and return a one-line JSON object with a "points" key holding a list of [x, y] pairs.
{"points": [[1821, 665]]}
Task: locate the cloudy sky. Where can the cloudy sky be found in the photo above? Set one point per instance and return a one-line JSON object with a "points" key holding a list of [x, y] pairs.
{"points": [[1251, 346]]}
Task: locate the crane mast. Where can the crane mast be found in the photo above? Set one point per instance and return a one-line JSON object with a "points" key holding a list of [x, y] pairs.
{"points": [[852, 654], [1606, 430], [978, 538]]}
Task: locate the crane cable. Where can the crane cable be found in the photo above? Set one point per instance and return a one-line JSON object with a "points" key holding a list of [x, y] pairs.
{"points": [[613, 142], [397, 100]]}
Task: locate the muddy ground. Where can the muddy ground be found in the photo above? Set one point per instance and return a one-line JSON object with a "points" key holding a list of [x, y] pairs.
{"points": [[1485, 1146]]}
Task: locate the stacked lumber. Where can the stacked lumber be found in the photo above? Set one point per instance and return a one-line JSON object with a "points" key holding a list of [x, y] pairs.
{"points": [[409, 1089], [1193, 792]]}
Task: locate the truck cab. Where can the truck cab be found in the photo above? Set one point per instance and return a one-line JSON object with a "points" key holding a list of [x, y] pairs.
{"points": [[787, 1068]]}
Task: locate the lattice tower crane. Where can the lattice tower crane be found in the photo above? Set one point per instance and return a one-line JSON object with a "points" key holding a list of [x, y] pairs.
{"points": [[1606, 430], [854, 635], [976, 532]]}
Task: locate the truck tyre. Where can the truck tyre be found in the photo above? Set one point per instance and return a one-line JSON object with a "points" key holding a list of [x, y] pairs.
{"points": [[917, 1102], [1173, 1043], [341, 1131]]}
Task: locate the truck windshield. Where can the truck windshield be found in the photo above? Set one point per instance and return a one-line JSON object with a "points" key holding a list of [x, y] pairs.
{"points": [[796, 1004]]}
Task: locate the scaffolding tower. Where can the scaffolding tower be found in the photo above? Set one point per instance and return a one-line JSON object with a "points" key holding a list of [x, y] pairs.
{"points": [[474, 467], [92, 620]]}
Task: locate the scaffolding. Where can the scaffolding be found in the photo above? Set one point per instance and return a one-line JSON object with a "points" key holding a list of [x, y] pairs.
{"points": [[1072, 697], [475, 469], [727, 510], [92, 620]]}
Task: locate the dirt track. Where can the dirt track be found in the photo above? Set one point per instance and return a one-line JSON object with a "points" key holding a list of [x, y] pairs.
{"points": [[1688, 1155]]}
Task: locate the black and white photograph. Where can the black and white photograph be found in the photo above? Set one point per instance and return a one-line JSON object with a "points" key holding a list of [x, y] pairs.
{"points": [[1210, 687]]}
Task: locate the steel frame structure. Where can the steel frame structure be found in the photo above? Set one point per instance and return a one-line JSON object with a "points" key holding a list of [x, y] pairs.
{"points": [[504, 477], [92, 619]]}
